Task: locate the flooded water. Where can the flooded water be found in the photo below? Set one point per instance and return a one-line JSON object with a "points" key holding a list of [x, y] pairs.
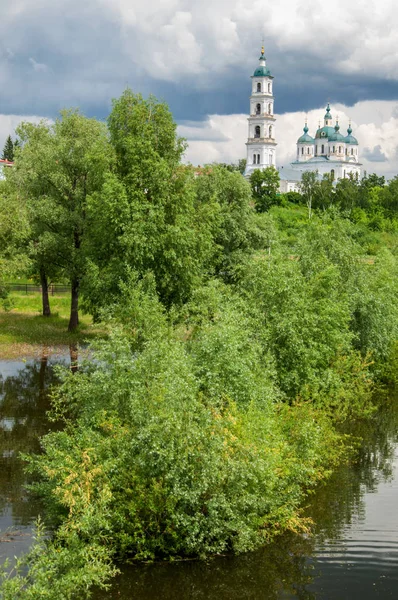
{"points": [[353, 554]]}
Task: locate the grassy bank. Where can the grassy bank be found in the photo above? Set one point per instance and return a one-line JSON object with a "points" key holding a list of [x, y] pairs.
{"points": [[23, 330]]}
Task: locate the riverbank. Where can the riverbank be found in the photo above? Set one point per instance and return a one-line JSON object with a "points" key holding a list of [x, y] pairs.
{"points": [[24, 331]]}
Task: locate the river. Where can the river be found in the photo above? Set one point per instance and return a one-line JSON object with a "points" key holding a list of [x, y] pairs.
{"points": [[352, 554]]}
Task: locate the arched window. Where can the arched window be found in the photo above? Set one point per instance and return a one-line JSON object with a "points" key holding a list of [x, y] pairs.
{"points": [[259, 87], [258, 109], [339, 149], [316, 150], [332, 174], [270, 131], [352, 151], [254, 159], [270, 159], [323, 149], [257, 131], [258, 159], [308, 150], [302, 150], [269, 108], [334, 149], [269, 88]]}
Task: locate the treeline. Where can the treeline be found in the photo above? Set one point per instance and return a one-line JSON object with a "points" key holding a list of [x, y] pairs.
{"points": [[369, 200], [211, 410]]}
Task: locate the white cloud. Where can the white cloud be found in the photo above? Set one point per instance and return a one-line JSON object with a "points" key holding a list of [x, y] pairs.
{"points": [[375, 124], [8, 124]]}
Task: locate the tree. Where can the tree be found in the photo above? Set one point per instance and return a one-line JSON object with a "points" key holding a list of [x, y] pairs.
{"points": [[265, 186], [145, 218], [324, 192], [59, 167], [8, 150], [347, 194], [308, 188]]}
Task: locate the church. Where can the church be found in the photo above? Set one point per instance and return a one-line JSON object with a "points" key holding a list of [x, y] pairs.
{"points": [[328, 152]]}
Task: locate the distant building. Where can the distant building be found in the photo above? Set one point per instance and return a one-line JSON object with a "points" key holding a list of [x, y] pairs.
{"points": [[329, 152], [4, 164], [261, 144]]}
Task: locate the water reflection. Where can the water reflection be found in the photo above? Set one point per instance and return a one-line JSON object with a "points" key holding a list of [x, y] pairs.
{"points": [[24, 401]]}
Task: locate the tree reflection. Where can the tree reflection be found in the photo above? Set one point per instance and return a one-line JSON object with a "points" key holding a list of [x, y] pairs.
{"points": [[23, 405]]}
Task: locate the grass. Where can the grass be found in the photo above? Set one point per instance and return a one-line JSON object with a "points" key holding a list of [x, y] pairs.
{"points": [[24, 331]]}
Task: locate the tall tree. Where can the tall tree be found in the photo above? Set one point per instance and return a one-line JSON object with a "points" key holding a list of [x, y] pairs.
{"points": [[58, 168], [308, 188], [146, 218], [8, 150], [265, 186]]}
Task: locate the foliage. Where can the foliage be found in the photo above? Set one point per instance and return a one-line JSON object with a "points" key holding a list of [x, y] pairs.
{"points": [[8, 150], [265, 186], [58, 168]]}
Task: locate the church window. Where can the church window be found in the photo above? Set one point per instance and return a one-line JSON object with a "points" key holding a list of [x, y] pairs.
{"points": [[316, 150], [258, 109], [269, 88], [302, 150], [308, 150], [259, 87], [334, 148], [258, 159], [270, 131], [339, 149], [332, 174], [257, 131], [352, 151], [323, 149], [269, 108], [254, 159]]}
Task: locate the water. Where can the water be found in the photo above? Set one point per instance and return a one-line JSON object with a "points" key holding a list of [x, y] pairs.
{"points": [[353, 554]]}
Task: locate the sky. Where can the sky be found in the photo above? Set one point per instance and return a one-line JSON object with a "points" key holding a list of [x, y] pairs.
{"points": [[198, 57]]}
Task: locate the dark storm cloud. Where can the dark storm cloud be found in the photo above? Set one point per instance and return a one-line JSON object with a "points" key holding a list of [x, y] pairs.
{"points": [[64, 53]]}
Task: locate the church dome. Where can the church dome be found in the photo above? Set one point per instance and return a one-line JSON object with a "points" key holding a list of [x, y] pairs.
{"points": [[350, 139], [336, 135], [262, 71], [324, 133], [305, 138], [328, 116]]}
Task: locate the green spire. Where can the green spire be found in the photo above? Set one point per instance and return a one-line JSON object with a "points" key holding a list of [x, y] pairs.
{"points": [[328, 116], [349, 130], [305, 128]]}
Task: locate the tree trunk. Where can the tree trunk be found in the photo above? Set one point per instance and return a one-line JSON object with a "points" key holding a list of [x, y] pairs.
{"points": [[74, 307], [44, 293]]}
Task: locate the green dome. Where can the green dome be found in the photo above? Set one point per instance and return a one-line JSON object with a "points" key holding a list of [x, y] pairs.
{"points": [[328, 115], [262, 72], [336, 135], [350, 139], [305, 139], [324, 133]]}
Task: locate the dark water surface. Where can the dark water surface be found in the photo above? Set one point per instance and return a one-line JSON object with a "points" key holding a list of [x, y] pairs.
{"points": [[353, 554]]}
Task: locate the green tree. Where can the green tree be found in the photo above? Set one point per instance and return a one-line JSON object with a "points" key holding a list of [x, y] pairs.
{"points": [[309, 188], [59, 167], [8, 150], [265, 186], [347, 194], [324, 192]]}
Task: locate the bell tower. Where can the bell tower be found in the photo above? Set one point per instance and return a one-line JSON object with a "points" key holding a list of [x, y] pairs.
{"points": [[261, 144]]}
